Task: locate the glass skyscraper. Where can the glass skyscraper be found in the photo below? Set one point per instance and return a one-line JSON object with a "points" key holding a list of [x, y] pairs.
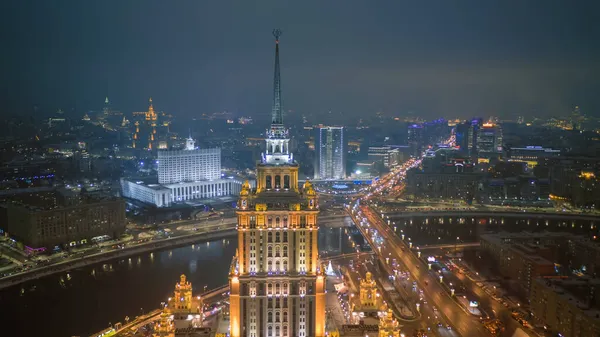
{"points": [[330, 147]]}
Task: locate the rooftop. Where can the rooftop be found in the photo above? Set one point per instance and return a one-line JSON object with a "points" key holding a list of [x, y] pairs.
{"points": [[576, 291]]}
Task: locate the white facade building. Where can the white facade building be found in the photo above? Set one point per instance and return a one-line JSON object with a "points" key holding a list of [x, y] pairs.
{"points": [[191, 164], [183, 175], [166, 195], [149, 193]]}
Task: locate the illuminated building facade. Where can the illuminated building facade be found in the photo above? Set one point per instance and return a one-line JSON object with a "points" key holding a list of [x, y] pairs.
{"points": [[182, 315], [190, 164], [330, 145], [369, 298], [277, 287], [183, 175], [531, 154], [150, 129], [388, 325], [489, 139]]}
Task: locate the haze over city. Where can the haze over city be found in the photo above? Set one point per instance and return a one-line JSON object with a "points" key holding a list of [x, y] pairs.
{"points": [[300, 169], [433, 58]]}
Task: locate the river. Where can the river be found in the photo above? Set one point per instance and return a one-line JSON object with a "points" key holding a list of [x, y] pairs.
{"points": [[86, 300]]}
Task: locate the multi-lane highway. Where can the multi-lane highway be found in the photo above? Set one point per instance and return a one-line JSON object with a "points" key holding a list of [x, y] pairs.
{"points": [[461, 320]]}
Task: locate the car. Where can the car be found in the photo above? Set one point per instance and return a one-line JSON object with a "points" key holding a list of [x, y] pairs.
{"points": [[448, 327]]}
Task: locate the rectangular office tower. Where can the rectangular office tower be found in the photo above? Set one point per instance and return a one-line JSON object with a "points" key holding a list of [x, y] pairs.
{"points": [[330, 147], [277, 286]]}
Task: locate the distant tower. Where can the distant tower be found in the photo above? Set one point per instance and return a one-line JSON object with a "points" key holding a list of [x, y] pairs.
{"points": [[150, 115], [151, 118], [136, 134], [330, 148], [190, 144], [106, 110]]}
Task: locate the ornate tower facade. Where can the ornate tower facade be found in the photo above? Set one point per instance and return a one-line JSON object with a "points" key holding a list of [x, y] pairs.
{"points": [[147, 121], [369, 299], [277, 287], [388, 325], [182, 311]]}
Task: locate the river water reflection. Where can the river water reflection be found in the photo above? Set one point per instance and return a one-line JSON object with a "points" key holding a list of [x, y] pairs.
{"points": [[86, 300]]}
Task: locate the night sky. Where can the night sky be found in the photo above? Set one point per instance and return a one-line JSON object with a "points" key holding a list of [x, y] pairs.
{"points": [[434, 58]]}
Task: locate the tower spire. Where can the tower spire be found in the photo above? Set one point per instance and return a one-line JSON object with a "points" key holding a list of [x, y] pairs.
{"points": [[276, 114]]}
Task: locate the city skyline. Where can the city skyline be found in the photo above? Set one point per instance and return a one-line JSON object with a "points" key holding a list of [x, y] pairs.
{"points": [[405, 170], [457, 60]]}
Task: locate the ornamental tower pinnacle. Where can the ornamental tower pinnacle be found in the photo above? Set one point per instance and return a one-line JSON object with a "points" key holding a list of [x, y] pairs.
{"points": [[277, 150], [276, 114]]}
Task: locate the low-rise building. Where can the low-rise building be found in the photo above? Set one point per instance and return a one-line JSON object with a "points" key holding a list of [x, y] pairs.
{"points": [[165, 195]]}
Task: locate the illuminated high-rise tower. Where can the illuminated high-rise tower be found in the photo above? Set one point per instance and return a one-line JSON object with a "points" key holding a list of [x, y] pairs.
{"points": [[330, 148], [277, 287]]}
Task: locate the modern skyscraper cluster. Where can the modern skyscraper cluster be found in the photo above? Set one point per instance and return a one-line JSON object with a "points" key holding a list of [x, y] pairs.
{"points": [[277, 286], [479, 139]]}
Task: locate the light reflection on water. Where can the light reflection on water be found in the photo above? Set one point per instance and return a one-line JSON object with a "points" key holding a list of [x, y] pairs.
{"points": [[85, 300]]}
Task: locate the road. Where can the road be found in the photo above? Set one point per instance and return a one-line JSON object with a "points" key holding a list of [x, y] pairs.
{"points": [[98, 255], [393, 247]]}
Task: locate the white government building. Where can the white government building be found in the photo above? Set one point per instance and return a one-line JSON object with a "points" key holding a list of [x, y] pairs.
{"points": [[183, 175]]}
